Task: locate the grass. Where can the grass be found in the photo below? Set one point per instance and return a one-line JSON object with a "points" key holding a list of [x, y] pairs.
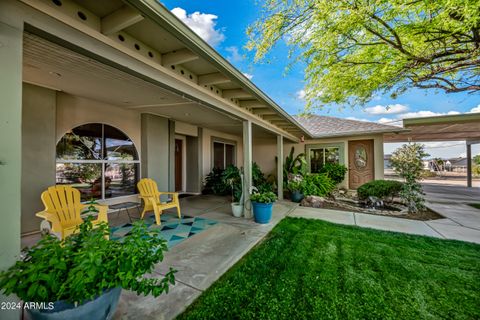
{"points": [[308, 269], [475, 205]]}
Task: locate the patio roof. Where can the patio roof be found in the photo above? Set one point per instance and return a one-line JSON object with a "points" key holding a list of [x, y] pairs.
{"points": [[150, 33], [326, 126], [457, 127]]}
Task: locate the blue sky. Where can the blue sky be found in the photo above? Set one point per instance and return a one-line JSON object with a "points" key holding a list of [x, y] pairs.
{"points": [[223, 25]]}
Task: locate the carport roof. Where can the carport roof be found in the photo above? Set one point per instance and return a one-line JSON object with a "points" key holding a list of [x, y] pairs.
{"points": [[440, 128]]}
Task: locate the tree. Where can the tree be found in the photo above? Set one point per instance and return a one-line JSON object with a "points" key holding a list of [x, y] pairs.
{"points": [[355, 49], [407, 162], [476, 159]]}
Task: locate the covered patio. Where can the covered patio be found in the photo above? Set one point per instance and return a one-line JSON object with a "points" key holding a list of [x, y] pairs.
{"points": [[461, 127]]}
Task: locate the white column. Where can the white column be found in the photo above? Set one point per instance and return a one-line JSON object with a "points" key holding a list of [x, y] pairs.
{"points": [[11, 153], [469, 164], [280, 167], [247, 166]]}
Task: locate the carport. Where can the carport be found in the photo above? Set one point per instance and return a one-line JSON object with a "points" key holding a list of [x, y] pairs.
{"points": [[457, 127]]}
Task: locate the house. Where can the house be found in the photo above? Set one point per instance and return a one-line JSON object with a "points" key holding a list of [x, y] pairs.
{"points": [[98, 94]]}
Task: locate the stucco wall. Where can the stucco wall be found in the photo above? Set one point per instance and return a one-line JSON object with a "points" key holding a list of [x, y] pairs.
{"points": [[155, 149], [38, 151], [73, 111]]}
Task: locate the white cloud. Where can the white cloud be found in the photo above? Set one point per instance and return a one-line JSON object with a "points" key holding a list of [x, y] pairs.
{"points": [[248, 75], [390, 121], [357, 119], [234, 55], [300, 94], [202, 24], [389, 109], [475, 110], [424, 113]]}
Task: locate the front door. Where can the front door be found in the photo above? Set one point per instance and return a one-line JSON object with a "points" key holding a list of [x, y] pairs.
{"points": [[178, 164], [360, 162]]}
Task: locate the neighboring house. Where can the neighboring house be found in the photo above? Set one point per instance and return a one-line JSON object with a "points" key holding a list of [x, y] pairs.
{"points": [[98, 94]]}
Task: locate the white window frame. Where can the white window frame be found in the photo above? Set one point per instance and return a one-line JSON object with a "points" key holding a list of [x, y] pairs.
{"points": [[104, 162], [224, 142]]}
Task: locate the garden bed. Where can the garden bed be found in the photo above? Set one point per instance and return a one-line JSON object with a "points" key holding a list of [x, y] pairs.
{"points": [[425, 215]]}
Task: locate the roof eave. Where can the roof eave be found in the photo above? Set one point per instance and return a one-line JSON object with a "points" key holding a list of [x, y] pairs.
{"points": [[161, 15], [359, 133]]}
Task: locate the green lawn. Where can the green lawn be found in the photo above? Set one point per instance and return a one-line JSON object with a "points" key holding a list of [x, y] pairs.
{"points": [[308, 269], [475, 205]]}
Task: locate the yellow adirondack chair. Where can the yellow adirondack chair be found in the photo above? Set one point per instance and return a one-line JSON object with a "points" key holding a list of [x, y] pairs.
{"points": [[151, 199], [63, 208]]}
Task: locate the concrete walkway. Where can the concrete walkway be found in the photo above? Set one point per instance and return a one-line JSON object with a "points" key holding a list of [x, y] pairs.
{"points": [[442, 228], [462, 222], [200, 260]]}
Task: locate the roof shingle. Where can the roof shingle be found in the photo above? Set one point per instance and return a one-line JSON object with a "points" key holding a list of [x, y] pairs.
{"points": [[326, 126]]}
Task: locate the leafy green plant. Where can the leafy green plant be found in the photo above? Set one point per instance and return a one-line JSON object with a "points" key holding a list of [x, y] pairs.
{"points": [[295, 185], [231, 177], [334, 171], [264, 197], [294, 165], [86, 264], [407, 163], [259, 180], [476, 170], [382, 189], [215, 183], [317, 184]]}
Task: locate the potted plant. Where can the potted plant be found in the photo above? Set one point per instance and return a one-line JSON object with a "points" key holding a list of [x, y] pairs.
{"points": [[262, 204], [234, 178], [81, 277], [295, 188]]}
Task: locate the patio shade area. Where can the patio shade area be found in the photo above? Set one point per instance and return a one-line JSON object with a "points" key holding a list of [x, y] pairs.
{"points": [[441, 128], [458, 127]]}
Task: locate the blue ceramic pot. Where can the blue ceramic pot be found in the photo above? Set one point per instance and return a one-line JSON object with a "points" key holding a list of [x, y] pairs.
{"points": [[101, 308], [262, 212], [296, 196]]}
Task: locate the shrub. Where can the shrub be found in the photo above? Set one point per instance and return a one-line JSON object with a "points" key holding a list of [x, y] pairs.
{"points": [[382, 189], [407, 163], [317, 184], [334, 171], [264, 197], [259, 180], [294, 165], [231, 177], [85, 264], [215, 184]]}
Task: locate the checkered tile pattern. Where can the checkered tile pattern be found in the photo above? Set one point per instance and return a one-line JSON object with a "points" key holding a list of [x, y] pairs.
{"points": [[172, 229]]}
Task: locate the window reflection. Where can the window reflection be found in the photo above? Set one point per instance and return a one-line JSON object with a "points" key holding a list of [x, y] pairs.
{"points": [[82, 143], [86, 177], [99, 160], [120, 179], [320, 156]]}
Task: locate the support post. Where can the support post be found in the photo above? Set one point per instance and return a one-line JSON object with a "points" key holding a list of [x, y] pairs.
{"points": [[280, 167], [247, 167], [11, 39], [171, 155], [469, 165]]}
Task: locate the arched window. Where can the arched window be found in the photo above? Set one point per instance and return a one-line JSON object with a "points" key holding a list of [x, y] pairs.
{"points": [[99, 160]]}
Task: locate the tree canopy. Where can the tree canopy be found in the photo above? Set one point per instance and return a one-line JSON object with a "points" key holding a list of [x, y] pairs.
{"points": [[355, 49]]}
